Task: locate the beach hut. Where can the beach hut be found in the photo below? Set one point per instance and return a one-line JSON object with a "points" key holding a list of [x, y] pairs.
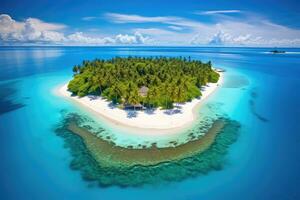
{"points": [[143, 93]]}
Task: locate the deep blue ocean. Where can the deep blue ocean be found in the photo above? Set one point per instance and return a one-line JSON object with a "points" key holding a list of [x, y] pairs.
{"points": [[264, 163]]}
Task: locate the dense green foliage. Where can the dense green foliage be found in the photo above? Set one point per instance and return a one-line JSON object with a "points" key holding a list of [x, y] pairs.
{"points": [[169, 80]]}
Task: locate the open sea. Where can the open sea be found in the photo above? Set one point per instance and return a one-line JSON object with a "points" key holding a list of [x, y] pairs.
{"points": [[261, 91]]}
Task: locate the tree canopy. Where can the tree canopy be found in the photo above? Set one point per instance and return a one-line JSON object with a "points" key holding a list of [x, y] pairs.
{"points": [[168, 80]]}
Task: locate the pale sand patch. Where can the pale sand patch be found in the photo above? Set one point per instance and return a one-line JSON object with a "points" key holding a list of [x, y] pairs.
{"points": [[158, 121]]}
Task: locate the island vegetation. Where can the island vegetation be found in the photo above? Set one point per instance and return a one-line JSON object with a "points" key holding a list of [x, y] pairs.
{"points": [[142, 82]]}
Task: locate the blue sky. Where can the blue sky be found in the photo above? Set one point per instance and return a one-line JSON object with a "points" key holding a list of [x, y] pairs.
{"points": [[136, 22]]}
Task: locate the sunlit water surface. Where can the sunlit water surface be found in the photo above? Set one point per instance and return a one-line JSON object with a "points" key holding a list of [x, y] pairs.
{"points": [[261, 92]]}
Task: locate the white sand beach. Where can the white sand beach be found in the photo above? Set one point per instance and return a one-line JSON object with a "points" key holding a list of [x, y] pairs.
{"points": [[161, 120]]}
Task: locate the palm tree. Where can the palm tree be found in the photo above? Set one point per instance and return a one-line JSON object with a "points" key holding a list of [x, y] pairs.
{"points": [[152, 96], [169, 79], [101, 79], [75, 69], [114, 93]]}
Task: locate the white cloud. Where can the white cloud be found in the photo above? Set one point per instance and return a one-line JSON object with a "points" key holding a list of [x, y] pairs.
{"points": [[232, 31], [154, 31], [8, 25], [162, 36], [80, 38], [170, 20], [251, 30], [213, 12], [34, 31], [176, 28], [88, 18], [124, 18], [137, 38], [52, 36], [43, 26], [30, 30], [222, 38]]}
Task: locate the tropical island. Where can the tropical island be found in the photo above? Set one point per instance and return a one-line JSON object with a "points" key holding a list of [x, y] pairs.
{"points": [[164, 93], [153, 93], [277, 51]]}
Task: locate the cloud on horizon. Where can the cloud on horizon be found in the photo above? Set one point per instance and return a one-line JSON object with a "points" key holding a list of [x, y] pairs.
{"points": [[35, 31], [125, 18], [160, 30], [88, 18], [230, 31], [213, 12]]}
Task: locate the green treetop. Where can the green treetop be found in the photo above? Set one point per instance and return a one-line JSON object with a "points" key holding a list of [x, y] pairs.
{"points": [[152, 82]]}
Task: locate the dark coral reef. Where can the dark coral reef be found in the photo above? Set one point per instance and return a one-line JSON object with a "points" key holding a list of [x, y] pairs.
{"points": [[105, 163]]}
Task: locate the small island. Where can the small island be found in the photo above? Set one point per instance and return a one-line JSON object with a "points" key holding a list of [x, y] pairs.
{"points": [[154, 102], [151, 93], [276, 51]]}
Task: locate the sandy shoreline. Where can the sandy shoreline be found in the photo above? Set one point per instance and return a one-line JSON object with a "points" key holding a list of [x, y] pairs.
{"points": [[158, 121]]}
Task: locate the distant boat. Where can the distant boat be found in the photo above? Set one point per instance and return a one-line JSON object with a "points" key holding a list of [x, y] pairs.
{"points": [[277, 51]]}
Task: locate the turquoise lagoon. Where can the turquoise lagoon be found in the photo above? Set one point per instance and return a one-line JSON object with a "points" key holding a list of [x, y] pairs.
{"points": [[260, 92]]}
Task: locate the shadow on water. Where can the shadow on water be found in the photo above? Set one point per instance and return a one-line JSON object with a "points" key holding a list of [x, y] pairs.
{"points": [[8, 100], [253, 96]]}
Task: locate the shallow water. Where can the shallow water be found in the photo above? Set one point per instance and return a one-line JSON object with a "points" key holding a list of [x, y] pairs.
{"points": [[261, 93]]}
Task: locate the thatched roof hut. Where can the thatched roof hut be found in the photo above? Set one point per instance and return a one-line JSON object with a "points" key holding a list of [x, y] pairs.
{"points": [[143, 91]]}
